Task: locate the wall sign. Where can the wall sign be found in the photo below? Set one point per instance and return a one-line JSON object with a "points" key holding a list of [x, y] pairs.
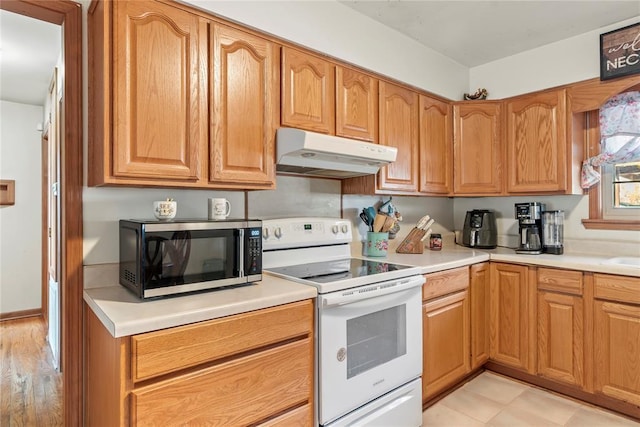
{"points": [[620, 52]]}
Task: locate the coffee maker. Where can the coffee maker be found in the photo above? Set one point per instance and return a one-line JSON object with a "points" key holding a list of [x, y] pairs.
{"points": [[529, 216]]}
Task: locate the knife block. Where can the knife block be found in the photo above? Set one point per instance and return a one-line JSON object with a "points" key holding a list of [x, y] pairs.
{"points": [[412, 244]]}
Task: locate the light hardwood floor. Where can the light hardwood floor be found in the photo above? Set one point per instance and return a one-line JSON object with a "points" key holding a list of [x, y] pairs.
{"points": [[493, 400], [30, 388]]}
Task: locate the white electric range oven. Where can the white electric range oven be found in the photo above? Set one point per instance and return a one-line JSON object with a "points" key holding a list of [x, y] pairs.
{"points": [[368, 322]]}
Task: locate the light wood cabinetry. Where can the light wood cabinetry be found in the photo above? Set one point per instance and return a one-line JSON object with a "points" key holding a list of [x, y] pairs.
{"points": [[245, 369], [561, 326], [147, 94], [537, 142], [356, 105], [436, 146], [399, 113], [511, 317], [244, 108], [478, 148], [479, 307], [446, 330], [617, 337], [308, 92], [153, 66]]}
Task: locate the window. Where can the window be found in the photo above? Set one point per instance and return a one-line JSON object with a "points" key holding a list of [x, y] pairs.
{"points": [[621, 191]]}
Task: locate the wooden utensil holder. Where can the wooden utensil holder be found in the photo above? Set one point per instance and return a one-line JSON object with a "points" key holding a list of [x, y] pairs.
{"points": [[412, 244]]}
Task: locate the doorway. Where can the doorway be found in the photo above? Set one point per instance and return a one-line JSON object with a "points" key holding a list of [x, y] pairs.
{"points": [[68, 15]]}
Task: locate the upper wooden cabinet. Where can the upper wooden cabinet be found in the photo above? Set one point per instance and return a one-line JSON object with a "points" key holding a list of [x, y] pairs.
{"points": [[478, 148], [537, 142], [147, 99], [399, 113], [308, 92], [244, 108], [356, 105], [436, 146]]}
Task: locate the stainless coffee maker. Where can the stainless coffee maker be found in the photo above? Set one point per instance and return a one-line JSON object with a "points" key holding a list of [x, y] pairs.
{"points": [[529, 216]]}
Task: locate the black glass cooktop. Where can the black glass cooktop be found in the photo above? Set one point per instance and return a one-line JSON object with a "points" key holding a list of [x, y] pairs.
{"points": [[333, 271]]}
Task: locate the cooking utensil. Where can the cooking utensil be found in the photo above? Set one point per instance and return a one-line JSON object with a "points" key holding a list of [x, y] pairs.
{"points": [[427, 225], [365, 218], [378, 222], [371, 214], [389, 222]]}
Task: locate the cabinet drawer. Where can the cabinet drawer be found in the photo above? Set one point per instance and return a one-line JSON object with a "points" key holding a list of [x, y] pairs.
{"points": [[617, 288], [302, 417], [567, 281], [445, 282], [238, 392], [162, 352]]}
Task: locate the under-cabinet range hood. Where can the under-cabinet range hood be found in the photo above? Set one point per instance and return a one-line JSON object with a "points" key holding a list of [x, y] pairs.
{"points": [[314, 154]]}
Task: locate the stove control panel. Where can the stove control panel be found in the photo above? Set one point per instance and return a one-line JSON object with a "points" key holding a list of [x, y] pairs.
{"points": [[305, 232]]}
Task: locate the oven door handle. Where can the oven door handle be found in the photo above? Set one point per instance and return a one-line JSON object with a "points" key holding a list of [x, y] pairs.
{"points": [[361, 293]]}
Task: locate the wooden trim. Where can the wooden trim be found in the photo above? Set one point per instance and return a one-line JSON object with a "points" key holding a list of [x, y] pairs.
{"points": [[610, 224], [591, 94], [44, 259], [68, 14], [12, 315]]}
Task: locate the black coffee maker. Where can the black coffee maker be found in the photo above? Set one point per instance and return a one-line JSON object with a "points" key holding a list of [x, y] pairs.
{"points": [[529, 216]]}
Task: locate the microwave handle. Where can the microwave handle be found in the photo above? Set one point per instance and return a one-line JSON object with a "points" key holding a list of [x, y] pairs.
{"points": [[241, 252]]}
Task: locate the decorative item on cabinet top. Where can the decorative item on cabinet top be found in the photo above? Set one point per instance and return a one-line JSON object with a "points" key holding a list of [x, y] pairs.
{"points": [[314, 154], [481, 93]]}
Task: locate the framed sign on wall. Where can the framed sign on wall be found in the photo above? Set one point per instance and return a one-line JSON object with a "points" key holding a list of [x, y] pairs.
{"points": [[620, 52]]}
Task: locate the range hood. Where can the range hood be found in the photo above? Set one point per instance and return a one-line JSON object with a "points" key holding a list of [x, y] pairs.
{"points": [[314, 154]]}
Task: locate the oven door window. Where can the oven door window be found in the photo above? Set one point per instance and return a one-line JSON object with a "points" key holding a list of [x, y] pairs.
{"points": [[181, 257], [376, 338]]}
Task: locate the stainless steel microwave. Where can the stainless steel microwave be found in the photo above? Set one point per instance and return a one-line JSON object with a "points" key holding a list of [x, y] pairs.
{"points": [[159, 258]]}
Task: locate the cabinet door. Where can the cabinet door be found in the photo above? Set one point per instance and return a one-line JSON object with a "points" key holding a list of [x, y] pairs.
{"points": [[478, 149], [617, 350], [308, 92], [479, 297], [159, 117], [244, 108], [356, 105], [445, 329], [436, 146], [560, 337], [509, 315], [399, 128], [536, 143]]}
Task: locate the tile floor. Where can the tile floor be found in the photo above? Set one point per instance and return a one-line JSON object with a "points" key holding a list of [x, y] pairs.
{"points": [[496, 401]]}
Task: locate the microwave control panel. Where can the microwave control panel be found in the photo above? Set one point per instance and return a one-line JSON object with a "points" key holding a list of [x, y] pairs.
{"points": [[253, 248]]}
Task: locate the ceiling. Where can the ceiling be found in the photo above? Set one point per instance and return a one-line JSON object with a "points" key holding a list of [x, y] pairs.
{"points": [[29, 51], [476, 32], [470, 32]]}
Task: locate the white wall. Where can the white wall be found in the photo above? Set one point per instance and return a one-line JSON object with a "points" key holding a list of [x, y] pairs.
{"points": [[335, 29], [567, 61], [21, 224]]}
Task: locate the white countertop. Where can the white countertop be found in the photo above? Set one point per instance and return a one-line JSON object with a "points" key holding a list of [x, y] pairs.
{"points": [[122, 313]]}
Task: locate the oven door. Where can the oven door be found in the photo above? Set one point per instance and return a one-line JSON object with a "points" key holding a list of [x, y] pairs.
{"points": [[369, 343]]}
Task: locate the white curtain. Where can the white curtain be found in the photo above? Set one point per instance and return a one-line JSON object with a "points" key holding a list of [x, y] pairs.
{"points": [[620, 136]]}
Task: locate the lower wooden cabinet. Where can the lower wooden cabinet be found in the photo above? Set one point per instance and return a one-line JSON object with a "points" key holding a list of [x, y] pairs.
{"points": [[560, 326], [479, 307], [617, 337], [445, 330], [247, 369], [511, 318]]}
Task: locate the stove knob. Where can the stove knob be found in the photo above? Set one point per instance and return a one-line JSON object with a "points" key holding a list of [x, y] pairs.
{"points": [[334, 229], [277, 232], [345, 228], [265, 233]]}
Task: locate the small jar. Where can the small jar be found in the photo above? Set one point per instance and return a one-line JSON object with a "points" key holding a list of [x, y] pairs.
{"points": [[435, 242]]}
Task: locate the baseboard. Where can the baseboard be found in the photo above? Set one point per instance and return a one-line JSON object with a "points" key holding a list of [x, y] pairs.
{"points": [[20, 314]]}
